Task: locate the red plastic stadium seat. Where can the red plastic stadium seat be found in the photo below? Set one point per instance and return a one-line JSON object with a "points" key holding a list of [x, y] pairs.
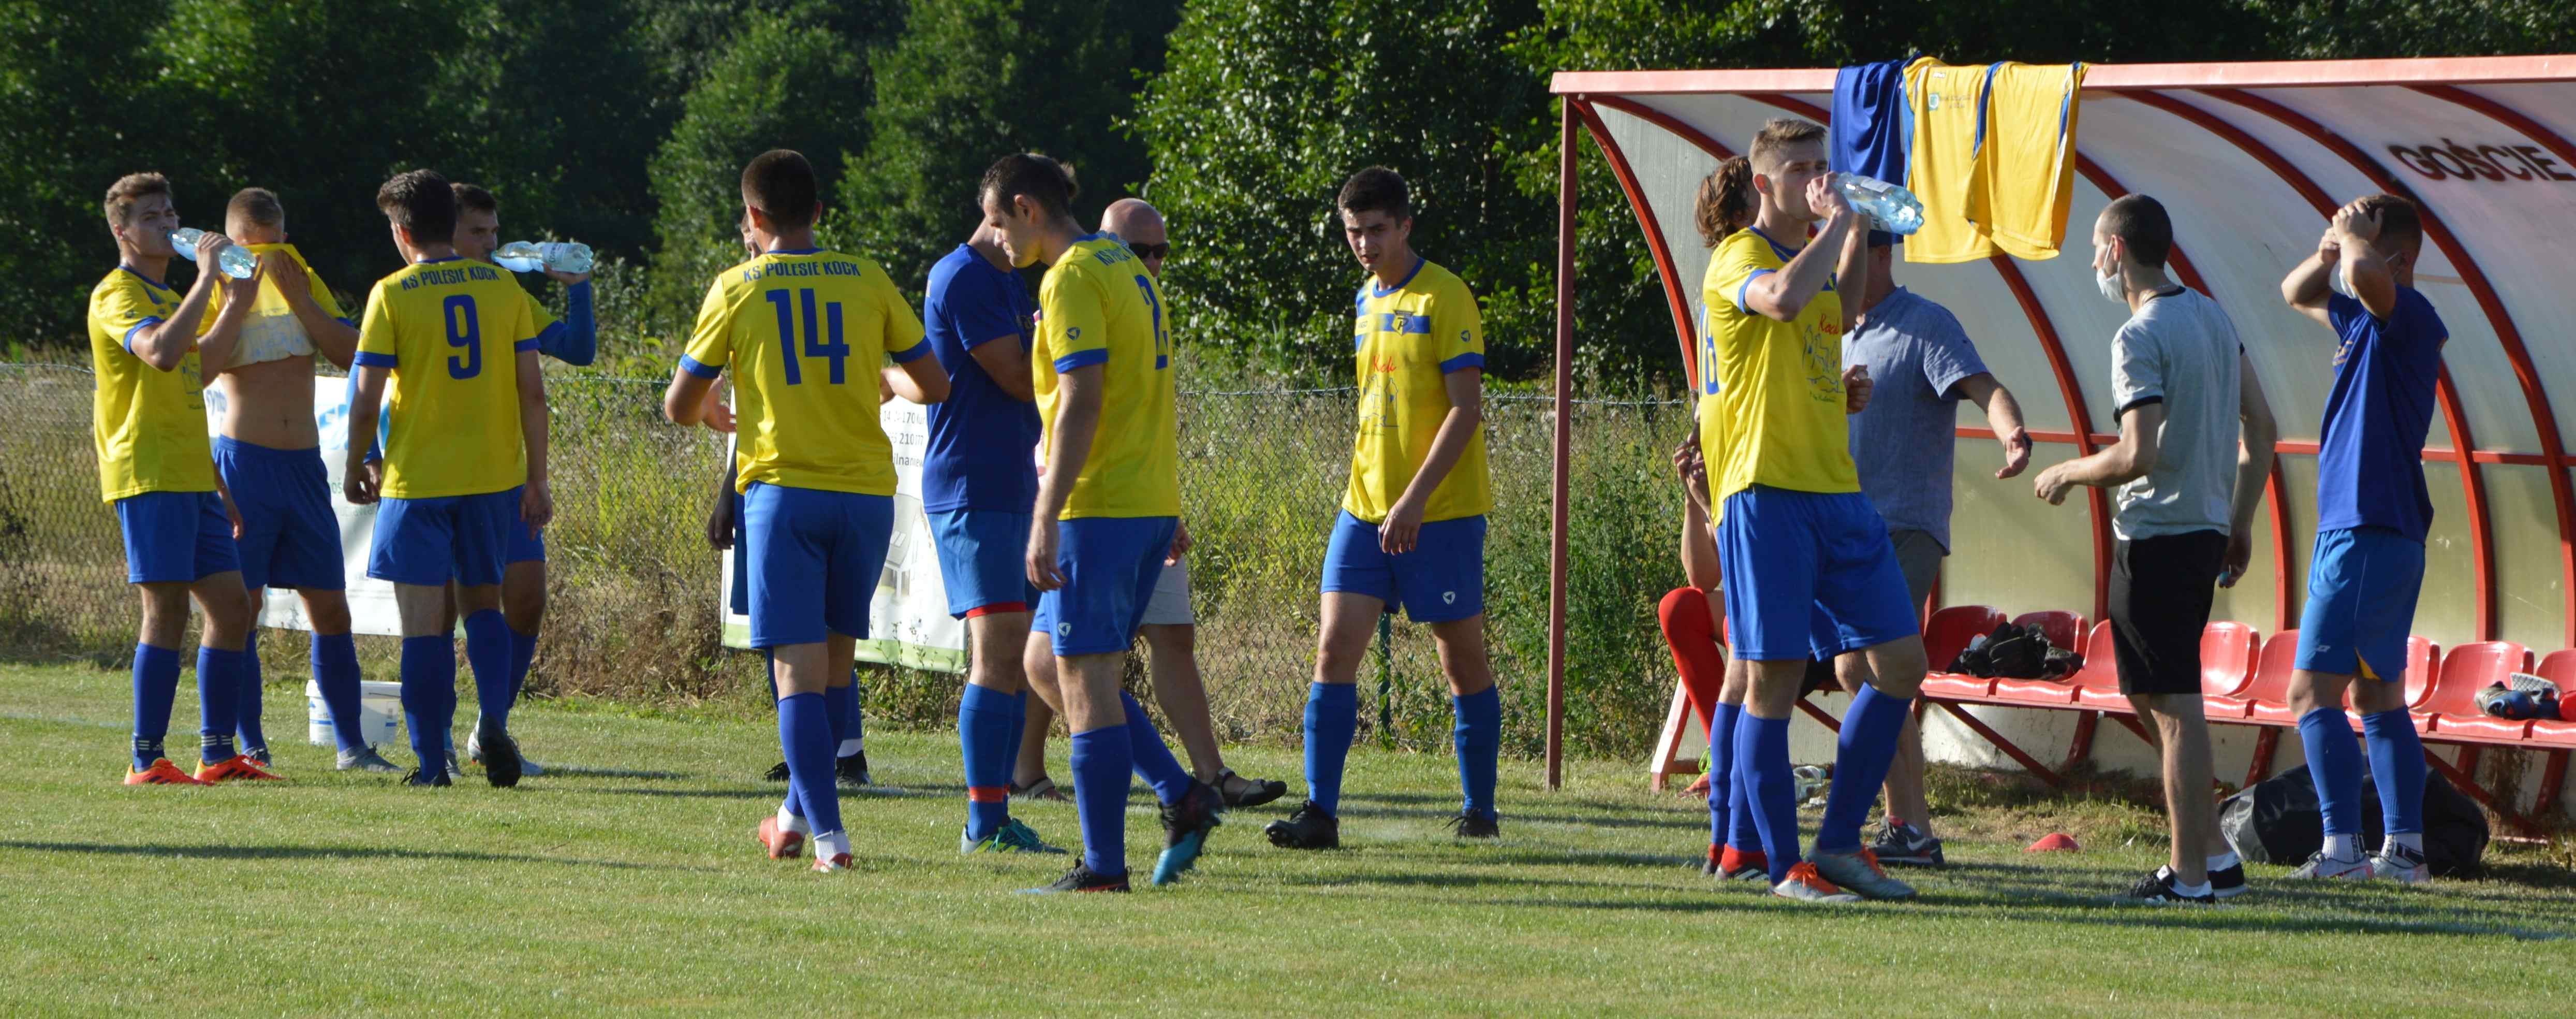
{"points": [[2451, 713], [2269, 697], [2559, 668], [2097, 685], [1944, 637], [2226, 670], [2423, 658], [2064, 629]]}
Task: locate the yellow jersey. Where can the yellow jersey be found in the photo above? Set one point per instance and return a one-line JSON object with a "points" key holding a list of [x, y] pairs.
{"points": [[450, 330], [1948, 117], [1098, 305], [1408, 339], [149, 425], [1779, 418], [806, 333], [2025, 173], [271, 332]]}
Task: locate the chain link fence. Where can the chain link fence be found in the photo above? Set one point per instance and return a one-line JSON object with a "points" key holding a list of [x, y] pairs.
{"points": [[633, 587]]}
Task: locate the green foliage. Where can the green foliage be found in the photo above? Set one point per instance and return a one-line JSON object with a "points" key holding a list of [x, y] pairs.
{"points": [[60, 131]]}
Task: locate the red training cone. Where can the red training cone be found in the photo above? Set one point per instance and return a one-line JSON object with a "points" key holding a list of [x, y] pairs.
{"points": [[2055, 842]]}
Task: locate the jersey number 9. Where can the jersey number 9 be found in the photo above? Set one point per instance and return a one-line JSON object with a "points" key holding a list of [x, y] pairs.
{"points": [[836, 350], [465, 333]]}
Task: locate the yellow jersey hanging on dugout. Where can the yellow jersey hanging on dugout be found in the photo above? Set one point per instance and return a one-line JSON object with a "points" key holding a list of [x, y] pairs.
{"points": [[2024, 182], [1944, 101]]}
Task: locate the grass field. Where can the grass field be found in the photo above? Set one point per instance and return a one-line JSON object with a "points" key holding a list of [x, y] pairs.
{"points": [[629, 883]]}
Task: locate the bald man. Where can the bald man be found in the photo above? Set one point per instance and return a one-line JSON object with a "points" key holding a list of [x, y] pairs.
{"points": [[1170, 628]]}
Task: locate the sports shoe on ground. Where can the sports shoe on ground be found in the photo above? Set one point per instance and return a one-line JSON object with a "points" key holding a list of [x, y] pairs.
{"points": [[1805, 885], [852, 771], [259, 754], [1708, 866], [1737, 865], [366, 759], [162, 772], [1042, 789], [2323, 867], [474, 753], [2400, 864], [832, 863], [777, 772], [1186, 824], [418, 777], [1859, 872], [236, 767], [500, 756], [2158, 889], [1903, 845], [1080, 879], [782, 842], [1248, 792], [2227, 882], [1311, 827], [1471, 825], [455, 771], [1012, 837]]}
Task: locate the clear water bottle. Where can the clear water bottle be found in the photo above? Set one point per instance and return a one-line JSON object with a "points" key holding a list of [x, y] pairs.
{"points": [[1890, 206], [236, 261], [530, 256]]}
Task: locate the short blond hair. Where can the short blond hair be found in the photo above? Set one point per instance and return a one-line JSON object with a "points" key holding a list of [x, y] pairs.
{"points": [[129, 189], [257, 205], [1780, 133]]}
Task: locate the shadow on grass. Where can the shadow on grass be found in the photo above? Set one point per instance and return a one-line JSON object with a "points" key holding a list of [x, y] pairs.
{"points": [[321, 853]]}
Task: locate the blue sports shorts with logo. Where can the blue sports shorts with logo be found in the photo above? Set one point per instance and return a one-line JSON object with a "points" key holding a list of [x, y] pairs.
{"points": [[289, 537], [1441, 580], [1809, 575], [180, 537], [814, 561], [432, 541], [2362, 586], [1110, 565], [984, 560]]}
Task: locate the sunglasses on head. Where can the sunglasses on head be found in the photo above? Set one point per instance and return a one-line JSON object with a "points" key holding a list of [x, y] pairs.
{"points": [[1163, 250]]}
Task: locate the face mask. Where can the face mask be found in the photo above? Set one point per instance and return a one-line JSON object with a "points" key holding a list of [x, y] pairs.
{"points": [[2111, 288]]}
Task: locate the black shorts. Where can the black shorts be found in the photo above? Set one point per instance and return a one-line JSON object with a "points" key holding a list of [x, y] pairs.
{"points": [[2161, 590]]}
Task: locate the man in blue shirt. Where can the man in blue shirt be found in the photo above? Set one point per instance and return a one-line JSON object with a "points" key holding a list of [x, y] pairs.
{"points": [[1902, 442], [2372, 515]]}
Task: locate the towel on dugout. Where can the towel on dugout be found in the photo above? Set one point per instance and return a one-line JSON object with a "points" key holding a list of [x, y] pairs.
{"points": [[1872, 127]]}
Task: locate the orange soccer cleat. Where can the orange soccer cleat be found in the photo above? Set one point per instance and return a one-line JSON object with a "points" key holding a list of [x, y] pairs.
{"points": [[781, 843], [162, 772], [238, 766]]}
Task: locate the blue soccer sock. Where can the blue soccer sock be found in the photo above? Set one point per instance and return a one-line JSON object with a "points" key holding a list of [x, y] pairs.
{"points": [[2334, 763], [487, 647], [1478, 741], [805, 735], [1741, 832], [2397, 762], [219, 674], [1152, 757], [156, 688], [246, 714], [1721, 769], [1332, 719], [523, 656], [1861, 758], [335, 670], [985, 741], [1102, 759], [429, 697], [1762, 752]]}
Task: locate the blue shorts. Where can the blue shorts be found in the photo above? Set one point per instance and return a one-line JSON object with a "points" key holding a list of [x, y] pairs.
{"points": [[984, 560], [813, 561], [1441, 580], [1809, 575], [527, 544], [432, 541], [2362, 585], [1110, 565], [176, 537], [289, 537]]}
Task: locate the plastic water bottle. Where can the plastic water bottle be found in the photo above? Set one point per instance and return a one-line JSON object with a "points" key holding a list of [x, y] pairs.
{"points": [[235, 260], [1890, 206], [530, 256]]}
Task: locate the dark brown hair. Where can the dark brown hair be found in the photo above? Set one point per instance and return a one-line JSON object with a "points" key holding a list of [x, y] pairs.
{"points": [[1377, 189], [473, 197], [781, 184], [2401, 226], [129, 189], [256, 205], [1047, 183], [1725, 199], [420, 202], [1780, 133]]}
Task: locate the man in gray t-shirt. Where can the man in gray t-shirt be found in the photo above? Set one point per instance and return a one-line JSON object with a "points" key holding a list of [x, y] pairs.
{"points": [[2187, 491], [1923, 365]]}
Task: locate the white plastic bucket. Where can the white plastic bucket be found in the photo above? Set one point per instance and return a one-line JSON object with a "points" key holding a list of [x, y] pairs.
{"points": [[379, 713]]}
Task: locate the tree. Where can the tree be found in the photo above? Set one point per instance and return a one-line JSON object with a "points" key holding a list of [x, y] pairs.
{"points": [[62, 141]]}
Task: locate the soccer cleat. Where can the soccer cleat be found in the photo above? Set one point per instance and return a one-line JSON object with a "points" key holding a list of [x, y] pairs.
{"points": [[236, 767], [500, 758], [1248, 792], [1042, 789], [1311, 827], [1186, 824], [455, 771], [832, 863], [162, 772], [259, 754], [1081, 879], [366, 759], [1859, 872], [781, 842], [1708, 867], [2400, 864], [776, 772], [2227, 882], [1012, 837], [1737, 865], [419, 777], [474, 753], [2323, 867], [1805, 885], [1471, 825], [852, 771], [2158, 889], [1903, 845]]}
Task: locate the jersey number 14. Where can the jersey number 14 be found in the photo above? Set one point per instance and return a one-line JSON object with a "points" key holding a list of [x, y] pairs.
{"points": [[836, 350]]}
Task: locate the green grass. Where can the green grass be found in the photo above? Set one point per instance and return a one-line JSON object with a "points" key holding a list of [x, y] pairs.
{"points": [[631, 885]]}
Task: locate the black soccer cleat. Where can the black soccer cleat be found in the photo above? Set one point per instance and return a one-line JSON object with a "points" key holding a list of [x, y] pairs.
{"points": [[1311, 827], [500, 756], [1249, 792], [2227, 882], [1472, 825], [1903, 845], [1196, 813], [1081, 879], [420, 777], [777, 772], [2158, 889], [852, 771]]}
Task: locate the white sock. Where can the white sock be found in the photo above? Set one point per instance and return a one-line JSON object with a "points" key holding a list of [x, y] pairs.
{"points": [[788, 821], [2224, 860], [2343, 847], [2194, 891], [849, 747], [2413, 840], [831, 844]]}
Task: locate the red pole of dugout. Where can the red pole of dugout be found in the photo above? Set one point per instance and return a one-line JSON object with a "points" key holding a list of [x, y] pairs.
{"points": [[1564, 443]]}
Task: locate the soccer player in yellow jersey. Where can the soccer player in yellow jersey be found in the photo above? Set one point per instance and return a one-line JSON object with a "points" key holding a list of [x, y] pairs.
{"points": [[1809, 569], [268, 447], [464, 461], [806, 332], [1107, 505], [1412, 526], [154, 466]]}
